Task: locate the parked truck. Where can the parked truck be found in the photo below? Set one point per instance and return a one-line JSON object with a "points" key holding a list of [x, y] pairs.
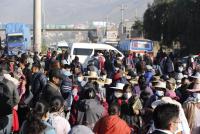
{"points": [[18, 38], [138, 46]]}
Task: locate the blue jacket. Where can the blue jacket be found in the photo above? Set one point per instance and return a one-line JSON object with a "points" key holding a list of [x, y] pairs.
{"points": [[148, 75]]}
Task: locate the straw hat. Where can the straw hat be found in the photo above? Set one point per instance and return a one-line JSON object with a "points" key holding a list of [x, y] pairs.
{"points": [[92, 74], [156, 79], [107, 81], [134, 81], [172, 81], [119, 86], [160, 84]]}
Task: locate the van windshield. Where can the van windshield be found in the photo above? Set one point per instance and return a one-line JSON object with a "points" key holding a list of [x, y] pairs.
{"points": [[64, 48], [81, 51]]}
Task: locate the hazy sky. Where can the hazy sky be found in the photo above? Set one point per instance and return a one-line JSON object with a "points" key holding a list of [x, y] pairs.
{"points": [[71, 11]]}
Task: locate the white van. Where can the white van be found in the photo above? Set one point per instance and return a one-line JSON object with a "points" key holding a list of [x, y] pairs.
{"points": [[62, 45], [85, 51]]}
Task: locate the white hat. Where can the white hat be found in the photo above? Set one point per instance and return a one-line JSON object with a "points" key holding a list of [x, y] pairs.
{"points": [[164, 100], [160, 84], [119, 86], [179, 76], [149, 67], [197, 75]]}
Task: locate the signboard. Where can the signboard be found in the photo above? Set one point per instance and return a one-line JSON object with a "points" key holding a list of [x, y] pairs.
{"points": [[112, 35], [141, 45]]}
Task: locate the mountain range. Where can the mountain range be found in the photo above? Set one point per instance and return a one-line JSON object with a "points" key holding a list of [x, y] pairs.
{"points": [[72, 11]]}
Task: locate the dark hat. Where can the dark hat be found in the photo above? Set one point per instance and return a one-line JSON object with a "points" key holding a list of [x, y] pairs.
{"points": [[36, 64], [132, 74], [67, 66], [55, 73]]}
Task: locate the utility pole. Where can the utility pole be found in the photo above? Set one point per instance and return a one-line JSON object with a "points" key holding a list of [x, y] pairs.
{"points": [[122, 19], [106, 26], [37, 20], [43, 23], [136, 13], [123, 8]]}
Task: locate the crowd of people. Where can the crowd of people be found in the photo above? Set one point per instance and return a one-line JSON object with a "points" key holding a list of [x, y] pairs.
{"points": [[139, 94]]}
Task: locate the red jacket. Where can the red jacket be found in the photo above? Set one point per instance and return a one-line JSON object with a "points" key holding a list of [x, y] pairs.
{"points": [[111, 125]]}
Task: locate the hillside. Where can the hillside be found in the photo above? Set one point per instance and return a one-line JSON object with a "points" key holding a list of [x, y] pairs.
{"points": [[71, 11]]}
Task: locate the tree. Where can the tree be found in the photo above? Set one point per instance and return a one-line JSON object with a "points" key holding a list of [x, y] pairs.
{"points": [[137, 29], [174, 20]]}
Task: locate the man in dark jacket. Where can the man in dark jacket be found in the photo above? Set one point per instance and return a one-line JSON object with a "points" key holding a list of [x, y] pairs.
{"points": [[9, 98], [52, 88], [39, 82], [166, 119]]}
